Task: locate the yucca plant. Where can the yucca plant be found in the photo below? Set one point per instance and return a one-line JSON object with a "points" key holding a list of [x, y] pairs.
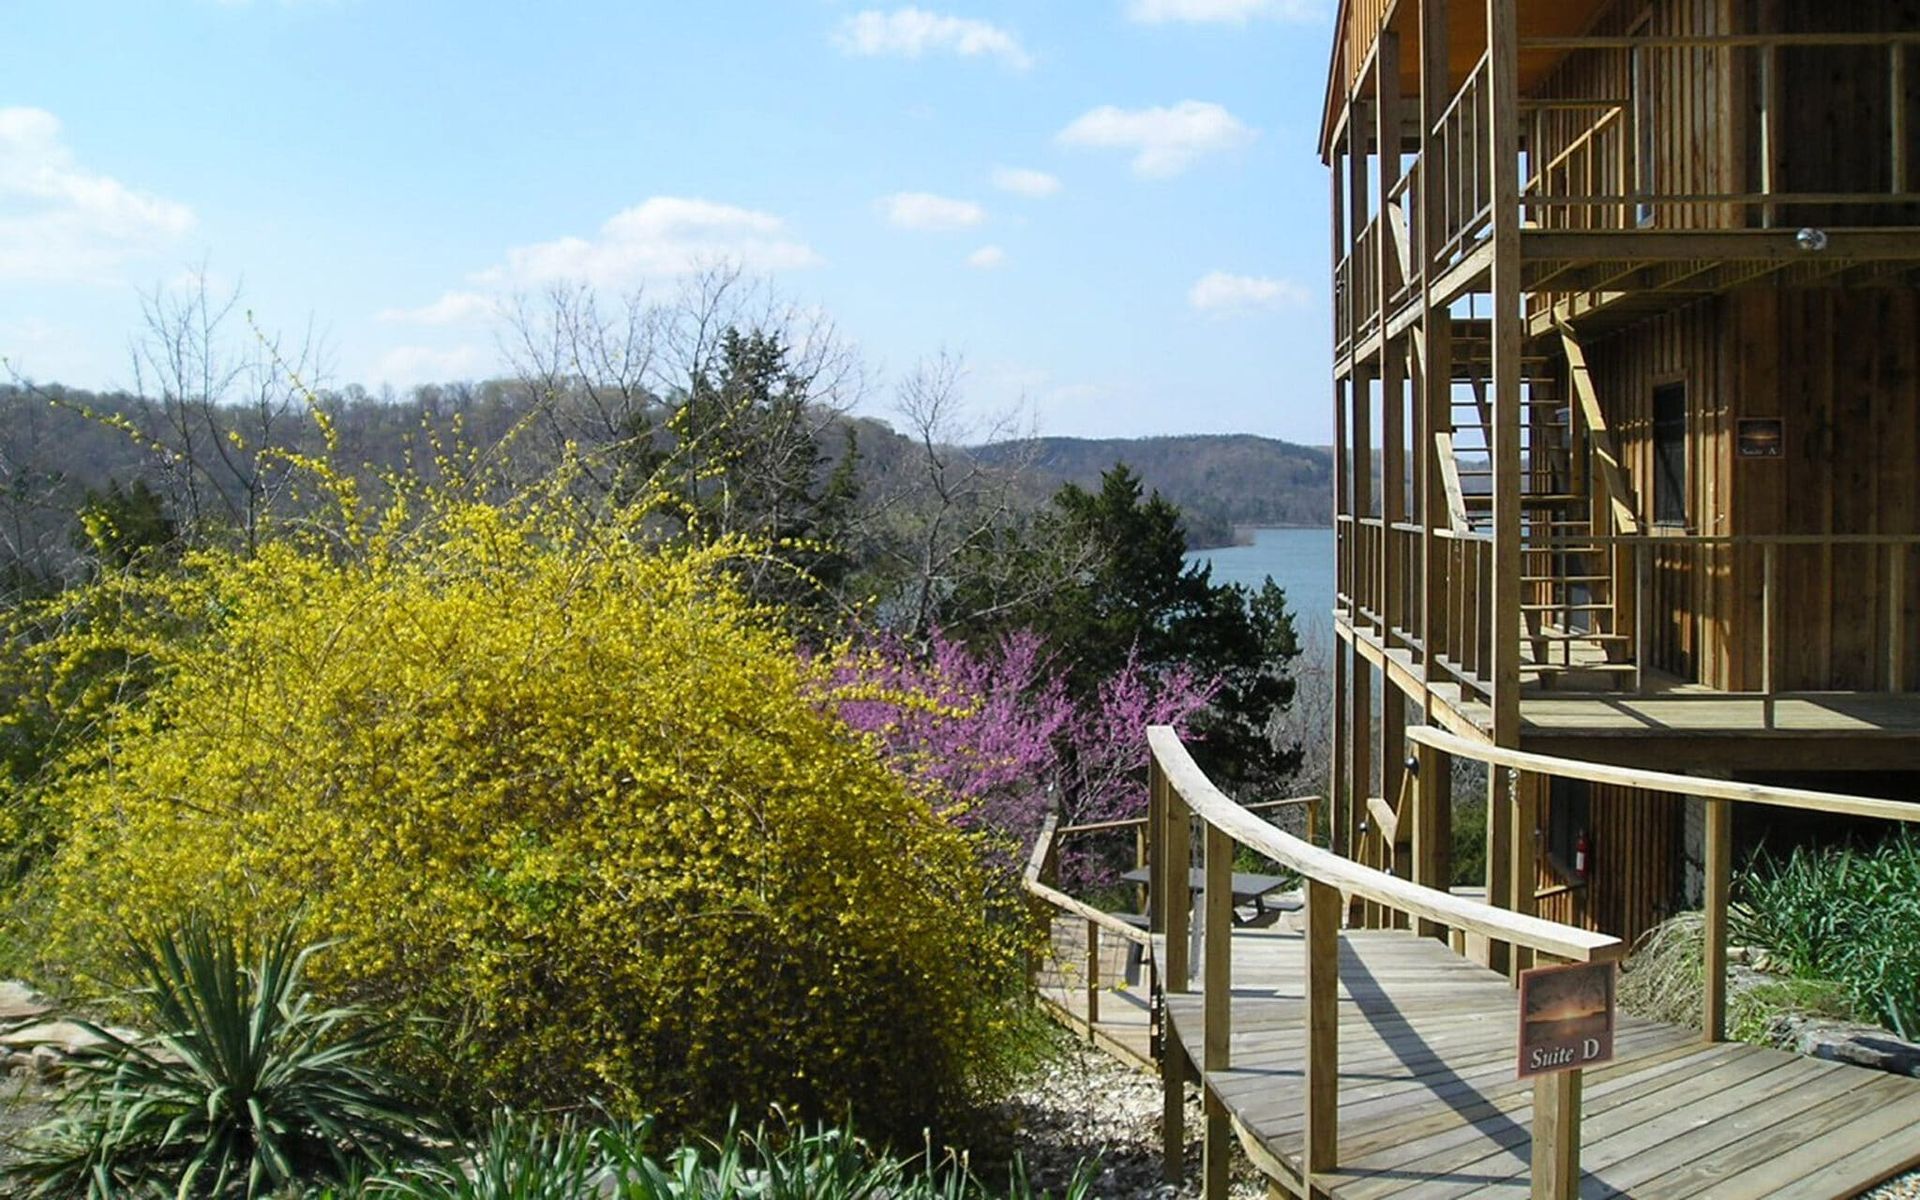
{"points": [[246, 1087]]}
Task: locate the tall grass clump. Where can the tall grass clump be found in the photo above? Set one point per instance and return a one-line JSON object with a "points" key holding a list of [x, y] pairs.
{"points": [[1849, 916], [530, 1158]]}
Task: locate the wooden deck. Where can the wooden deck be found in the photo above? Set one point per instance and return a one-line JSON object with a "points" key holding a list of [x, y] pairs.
{"points": [[1430, 1108]]}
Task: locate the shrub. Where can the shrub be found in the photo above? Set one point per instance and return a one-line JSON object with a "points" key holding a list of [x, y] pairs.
{"points": [[248, 1088], [565, 791], [1847, 916]]}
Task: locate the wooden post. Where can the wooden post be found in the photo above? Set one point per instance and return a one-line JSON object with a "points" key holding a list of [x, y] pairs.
{"points": [[1769, 573], [1556, 1136], [1323, 1029], [1172, 902], [1093, 978], [1338, 777], [1642, 605], [1506, 321], [1902, 150], [1393, 398], [1897, 616], [1499, 857], [1218, 1001], [1176, 892], [1719, 868], [1769, 131], [1433, 828], [1525, 846]]}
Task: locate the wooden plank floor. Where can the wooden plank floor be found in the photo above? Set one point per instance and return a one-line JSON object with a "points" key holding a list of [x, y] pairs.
{"points": [[1430, 1108]]}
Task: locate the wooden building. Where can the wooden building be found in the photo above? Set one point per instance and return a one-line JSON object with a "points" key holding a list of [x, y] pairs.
{"points": [[1627, 383]]}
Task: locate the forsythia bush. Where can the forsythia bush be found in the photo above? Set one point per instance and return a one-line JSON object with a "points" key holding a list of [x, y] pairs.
{"points": [[562, 790]]}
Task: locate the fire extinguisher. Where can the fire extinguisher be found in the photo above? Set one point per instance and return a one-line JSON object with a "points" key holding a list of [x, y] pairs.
{"points": [[1582, 852]]}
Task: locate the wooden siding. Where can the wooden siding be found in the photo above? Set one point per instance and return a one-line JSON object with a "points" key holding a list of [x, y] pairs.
{"points": [[1691, 96], [1841, 369], [1635, 839]]}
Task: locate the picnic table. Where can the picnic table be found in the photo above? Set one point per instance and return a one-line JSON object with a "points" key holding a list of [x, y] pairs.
{"points": [[1248, 888]]}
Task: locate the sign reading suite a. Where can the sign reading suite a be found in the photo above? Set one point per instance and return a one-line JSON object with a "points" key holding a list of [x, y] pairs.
{"points": [[1566, 1017]]}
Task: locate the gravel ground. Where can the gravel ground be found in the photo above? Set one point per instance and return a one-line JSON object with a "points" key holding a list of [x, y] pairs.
{"points": [[1087, 1103]]}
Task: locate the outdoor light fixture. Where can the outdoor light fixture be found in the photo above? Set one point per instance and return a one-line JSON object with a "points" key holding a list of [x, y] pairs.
{"points": [[1811, 240]]}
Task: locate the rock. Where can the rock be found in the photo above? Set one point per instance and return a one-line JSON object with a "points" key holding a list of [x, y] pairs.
{"points": [[1861, 1045], [68, 1037], [48, 1063], [18, 1002]]}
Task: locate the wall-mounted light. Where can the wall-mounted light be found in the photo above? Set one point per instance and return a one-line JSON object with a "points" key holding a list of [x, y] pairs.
{"points": [[1813, 241]]}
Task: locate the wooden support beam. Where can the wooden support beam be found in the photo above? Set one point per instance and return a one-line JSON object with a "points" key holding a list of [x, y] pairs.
{"points": [[1620, 498], [1323, 1029], [1507, 323], [1499, 859]]}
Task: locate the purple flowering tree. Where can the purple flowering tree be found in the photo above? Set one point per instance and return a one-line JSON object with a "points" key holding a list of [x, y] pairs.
{"points": [[996, 741]]}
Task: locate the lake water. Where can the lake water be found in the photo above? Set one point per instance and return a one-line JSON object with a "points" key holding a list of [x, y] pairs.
{"points": [[1299, 560]]}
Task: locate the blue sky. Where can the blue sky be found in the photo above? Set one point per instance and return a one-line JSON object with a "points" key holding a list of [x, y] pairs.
{"points": [[1112, 208]]}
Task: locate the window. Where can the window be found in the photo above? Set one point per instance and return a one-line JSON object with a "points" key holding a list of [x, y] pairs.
{"points": [[1670, 454], [1568, 810]]}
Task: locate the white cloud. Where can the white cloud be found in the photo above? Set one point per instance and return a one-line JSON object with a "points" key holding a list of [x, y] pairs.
{"points": [[62, 223], [1223, 294], [986, 258], [930, 213], [660, 238], [450, 309], [1164, 141], [1021, 181], [403, 366], [915, 32], [1232, 12]]}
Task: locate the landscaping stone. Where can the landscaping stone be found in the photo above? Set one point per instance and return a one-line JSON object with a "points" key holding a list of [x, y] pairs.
{"points": [[1836, 1041], [68, 1037], [18, 1002]]}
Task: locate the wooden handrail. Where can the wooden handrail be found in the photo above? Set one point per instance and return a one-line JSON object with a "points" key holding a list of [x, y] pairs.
{"points": [[1030, 881], [1212, 806], [1662, 781]]}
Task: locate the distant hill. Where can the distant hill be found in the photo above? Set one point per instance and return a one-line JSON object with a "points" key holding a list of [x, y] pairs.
{"points": [[1220, 481]]}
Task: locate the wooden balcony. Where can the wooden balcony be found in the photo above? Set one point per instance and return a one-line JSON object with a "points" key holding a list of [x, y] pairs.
{"points": [[1627, 640], [1653, 170]]}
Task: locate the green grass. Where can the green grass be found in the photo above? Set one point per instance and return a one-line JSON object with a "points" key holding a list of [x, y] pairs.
{"points": [[1846, 916]]}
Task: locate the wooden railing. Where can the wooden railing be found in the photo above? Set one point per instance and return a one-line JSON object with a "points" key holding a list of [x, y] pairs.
{"points": [[1180, 794], [1859, 585], [1766, 615], [1613, 163], [1719, 796], [1462, 168]]}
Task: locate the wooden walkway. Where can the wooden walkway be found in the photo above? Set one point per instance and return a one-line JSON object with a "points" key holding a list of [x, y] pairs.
{"points": [[1429, 1106]]}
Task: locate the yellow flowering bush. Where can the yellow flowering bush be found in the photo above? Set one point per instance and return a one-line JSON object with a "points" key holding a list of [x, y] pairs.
{"points": [[565, 791]]}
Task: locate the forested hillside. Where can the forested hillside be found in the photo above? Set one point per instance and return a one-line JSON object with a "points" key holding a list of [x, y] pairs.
{"points": [[1218, 481]]}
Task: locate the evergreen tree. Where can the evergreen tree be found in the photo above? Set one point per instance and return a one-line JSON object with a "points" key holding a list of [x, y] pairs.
{"points": [[1102, 576]]}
